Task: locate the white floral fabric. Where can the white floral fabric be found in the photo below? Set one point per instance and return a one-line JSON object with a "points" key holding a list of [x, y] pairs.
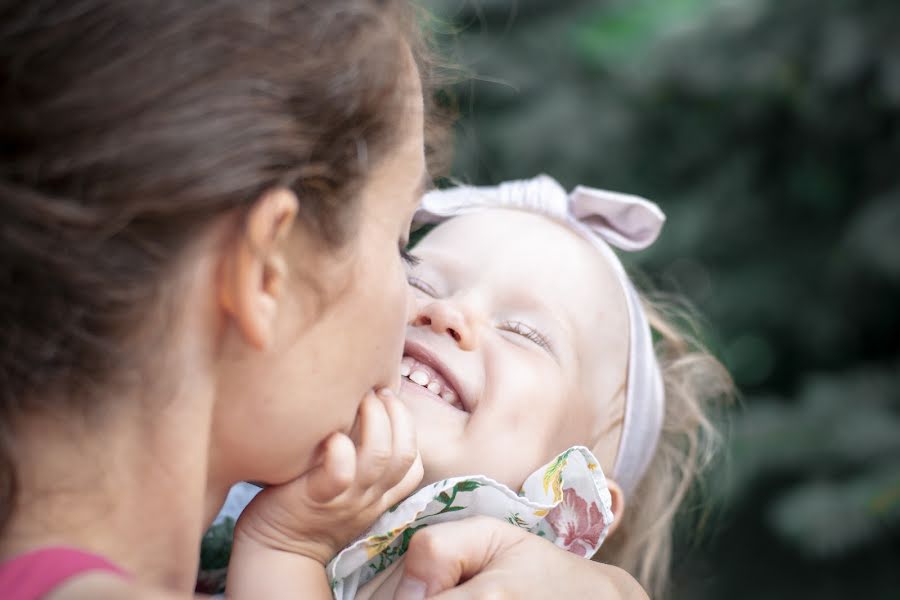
{"points": [[567, 501]]}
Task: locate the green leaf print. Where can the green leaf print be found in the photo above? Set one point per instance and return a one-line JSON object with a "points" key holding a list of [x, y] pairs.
{"points": [[448, 499], [405, 539], [515, 519], [467, 486], [398, 547]]}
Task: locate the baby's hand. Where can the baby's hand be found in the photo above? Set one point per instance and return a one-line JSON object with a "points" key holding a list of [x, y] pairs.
{"points": [[328, 507]]}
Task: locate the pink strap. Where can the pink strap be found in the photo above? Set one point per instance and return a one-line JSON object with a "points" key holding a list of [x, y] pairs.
{"points": [[33, 575]]}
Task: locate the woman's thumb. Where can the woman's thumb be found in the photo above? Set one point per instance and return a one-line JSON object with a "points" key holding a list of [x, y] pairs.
{"points": [[441, 556]]}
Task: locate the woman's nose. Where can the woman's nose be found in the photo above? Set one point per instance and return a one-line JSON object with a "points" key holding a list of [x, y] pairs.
{"points": [[445, 318]]}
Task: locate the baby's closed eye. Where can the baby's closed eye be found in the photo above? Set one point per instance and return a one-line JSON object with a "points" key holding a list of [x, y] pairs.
{"points": [[528, 332], [422, 285]]}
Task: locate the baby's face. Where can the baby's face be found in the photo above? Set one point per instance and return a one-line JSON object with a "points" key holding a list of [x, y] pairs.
{"points": [[518, 349]]}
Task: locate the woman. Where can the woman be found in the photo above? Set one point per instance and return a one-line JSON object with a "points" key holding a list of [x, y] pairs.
{"points": [[204, 206]]}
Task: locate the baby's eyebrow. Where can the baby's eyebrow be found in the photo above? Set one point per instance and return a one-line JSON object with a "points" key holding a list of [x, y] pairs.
{"points": [[562, 321], [560, 318]]}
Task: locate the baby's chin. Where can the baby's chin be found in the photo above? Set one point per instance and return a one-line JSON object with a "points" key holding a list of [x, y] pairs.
{"points": [[445, 448], [439, 466], [435, 419]]}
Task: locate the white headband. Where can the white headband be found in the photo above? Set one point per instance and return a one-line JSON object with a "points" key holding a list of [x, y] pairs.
{"points": [[603, 218]]}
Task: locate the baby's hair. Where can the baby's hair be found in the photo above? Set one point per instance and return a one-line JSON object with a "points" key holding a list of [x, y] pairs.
{"points": [[696, 385]]}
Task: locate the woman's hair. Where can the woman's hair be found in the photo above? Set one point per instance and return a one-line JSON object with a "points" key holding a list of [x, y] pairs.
{"points": [[696, 385], [127, 128]]}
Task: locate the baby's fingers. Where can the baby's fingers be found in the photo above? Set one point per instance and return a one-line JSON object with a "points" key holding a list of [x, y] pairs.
{"points": [[406, 486], [337, 471], [375, 445], [405, 448]]}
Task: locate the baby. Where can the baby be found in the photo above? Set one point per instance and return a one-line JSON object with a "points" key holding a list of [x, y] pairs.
{"points": [[530, 344]]}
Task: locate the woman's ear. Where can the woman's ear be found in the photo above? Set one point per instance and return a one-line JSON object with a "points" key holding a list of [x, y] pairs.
{"points": [[254, 268], [618, 505]]}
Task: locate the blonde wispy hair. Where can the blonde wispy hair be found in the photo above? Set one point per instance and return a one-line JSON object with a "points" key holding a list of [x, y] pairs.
{"points": [[697, 386]]}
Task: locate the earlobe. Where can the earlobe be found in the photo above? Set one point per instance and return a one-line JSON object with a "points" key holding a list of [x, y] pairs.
{"points": [[618, 505], [254, 268]]}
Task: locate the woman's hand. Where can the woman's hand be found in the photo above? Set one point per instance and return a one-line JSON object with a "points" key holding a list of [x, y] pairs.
{"points": [[357, 480], [487, 558]]}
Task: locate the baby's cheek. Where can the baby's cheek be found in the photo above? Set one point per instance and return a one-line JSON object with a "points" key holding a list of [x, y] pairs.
{"points": [[512, 456], [558, 422]]}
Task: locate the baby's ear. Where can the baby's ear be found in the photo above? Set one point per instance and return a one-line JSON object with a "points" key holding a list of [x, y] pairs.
{"points": [[618, 505]]}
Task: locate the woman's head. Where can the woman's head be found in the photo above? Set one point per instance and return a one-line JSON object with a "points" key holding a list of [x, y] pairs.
{"points": [[204, 192]]}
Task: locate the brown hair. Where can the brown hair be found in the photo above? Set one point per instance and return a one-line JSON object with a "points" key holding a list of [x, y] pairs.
{"points": [[127, 127], [696, 386]]}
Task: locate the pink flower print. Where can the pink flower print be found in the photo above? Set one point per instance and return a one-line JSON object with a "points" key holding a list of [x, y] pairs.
{"points": [[577, 525]]}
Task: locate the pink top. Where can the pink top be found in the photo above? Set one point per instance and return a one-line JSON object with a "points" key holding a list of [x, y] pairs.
{"points": [[35, 574]]}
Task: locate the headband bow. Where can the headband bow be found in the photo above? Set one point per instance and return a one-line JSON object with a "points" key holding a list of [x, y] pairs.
{"points": [[605, 219]]}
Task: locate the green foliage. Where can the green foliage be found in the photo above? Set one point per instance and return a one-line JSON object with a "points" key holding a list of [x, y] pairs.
{"points": [[215, 549], [839, 441], [831, 517], [769, 131]]}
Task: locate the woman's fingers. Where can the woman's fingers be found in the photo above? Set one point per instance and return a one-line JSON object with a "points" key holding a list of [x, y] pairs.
{"points": [[336, 472], [375, 444], [440, 556], [487, 558]]}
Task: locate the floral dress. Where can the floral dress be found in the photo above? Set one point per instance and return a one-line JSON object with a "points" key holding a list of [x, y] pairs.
{"points": [[567, 501]]}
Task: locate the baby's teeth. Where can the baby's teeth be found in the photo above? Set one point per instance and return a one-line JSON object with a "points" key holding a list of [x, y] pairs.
{"points": [[420, 377], [449, 396], [434, 387], [405, 370]]}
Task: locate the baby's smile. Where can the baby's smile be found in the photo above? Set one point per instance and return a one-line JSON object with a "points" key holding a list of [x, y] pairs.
{"points": [[423, 370]]}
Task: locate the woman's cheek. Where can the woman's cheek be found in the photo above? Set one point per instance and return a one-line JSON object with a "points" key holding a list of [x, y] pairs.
{"points": [[400, 299], [391, 299]]}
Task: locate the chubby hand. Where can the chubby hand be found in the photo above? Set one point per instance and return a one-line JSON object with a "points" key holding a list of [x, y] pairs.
{"points": [[357, 479]]}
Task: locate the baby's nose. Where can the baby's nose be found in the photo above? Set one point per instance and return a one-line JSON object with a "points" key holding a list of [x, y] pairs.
{"points": [[445, 319]]}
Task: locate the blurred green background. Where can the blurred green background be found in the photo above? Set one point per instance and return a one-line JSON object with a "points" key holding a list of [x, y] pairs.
{"points": [[768, 131]]}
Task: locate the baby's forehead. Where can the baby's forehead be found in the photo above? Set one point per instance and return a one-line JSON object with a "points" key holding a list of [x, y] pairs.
{"points": [[524, 256]]}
